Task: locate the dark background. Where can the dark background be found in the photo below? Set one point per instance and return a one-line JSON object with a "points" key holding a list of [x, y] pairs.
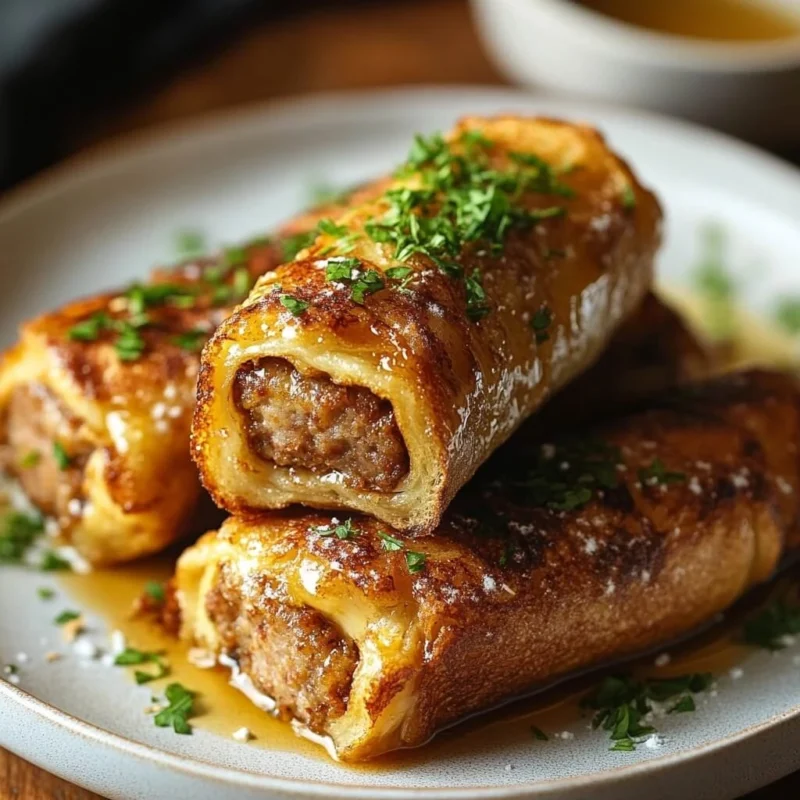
{"points": [[77, 73]]}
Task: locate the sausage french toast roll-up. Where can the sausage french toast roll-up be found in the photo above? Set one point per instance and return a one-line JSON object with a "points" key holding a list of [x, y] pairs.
{"points": [[581, 550], [96, 401], [383, 365]]}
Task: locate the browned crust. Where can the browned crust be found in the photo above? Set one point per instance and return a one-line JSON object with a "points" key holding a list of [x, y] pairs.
{"points": [[137, 487], [512, 595], [472, 383]]}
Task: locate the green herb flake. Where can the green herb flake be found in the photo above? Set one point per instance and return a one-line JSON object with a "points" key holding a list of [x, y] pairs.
{"points": [[415, 561], [155, 591], [129, 344], [658, 474], [192, 341], [566, 477], [787, 314], [292, 245], [341, 269], [330, 228], [539, 734], [628, 197], [61, 456], [345, 530], [131, 656], [30, 459], [770, 626], [234, 256], [10, 669], [52, 562], [367, 283], [181, 705], [540, 322], [390, 542], [90, 329], [45, 593], [66, 616], [621, 703], [190, 243], [686, 703], [242, 282], [297, 307], [18, 532]]}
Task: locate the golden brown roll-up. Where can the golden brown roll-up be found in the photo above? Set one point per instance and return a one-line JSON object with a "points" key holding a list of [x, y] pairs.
{"points": [[578, 551], [96, 400], [380, 368]]}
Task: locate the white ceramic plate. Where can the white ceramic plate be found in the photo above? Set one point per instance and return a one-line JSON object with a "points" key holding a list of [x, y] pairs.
{"points": [[103, 220]]}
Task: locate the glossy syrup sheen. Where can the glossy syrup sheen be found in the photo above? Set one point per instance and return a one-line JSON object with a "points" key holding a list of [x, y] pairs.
{"points": [[722, 20], [223, 709]]}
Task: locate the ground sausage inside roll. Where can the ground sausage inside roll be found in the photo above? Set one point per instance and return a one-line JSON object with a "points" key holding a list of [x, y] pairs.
{"points": [[308, 421]]}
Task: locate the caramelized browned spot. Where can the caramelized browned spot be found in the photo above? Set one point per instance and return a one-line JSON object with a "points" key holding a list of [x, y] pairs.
{"points": [[309, 421], [294, 655], [35, 422]]}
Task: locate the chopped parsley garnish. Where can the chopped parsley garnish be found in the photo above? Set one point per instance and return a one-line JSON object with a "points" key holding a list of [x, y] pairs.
{"points": [[192, 341], [657, 473], [771, 625], [130, 344], [10, 669], [52, 562], [390, 542], [566, 477], [242, 282], [330, 228], [787, 314], [181, 705], [628, 197], [686, 703], [477, 307], [367, 282], [714, 284], [89, 329], [141, 297], [30, 459], [130, 656], [190, 243], [341, 269], [17, 534], [66, 616], [621, 704], [234, 256], [414, 561], [540, 322], [323, 194], [539, 734], [45, 593], [459, 199], [297, 307], [292, 245], [155, 591], [345, 530], [61, 456], [347, 270]]}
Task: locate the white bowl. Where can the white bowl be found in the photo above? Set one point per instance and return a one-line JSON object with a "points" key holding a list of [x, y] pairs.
{"points": [[749, 89]]}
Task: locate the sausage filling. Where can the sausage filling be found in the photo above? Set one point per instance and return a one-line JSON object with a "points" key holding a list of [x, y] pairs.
{"points": [[297, 420], [294, 655], [44, 448]]}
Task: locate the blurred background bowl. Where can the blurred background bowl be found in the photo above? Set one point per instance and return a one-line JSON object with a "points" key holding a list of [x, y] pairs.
{"points": [[750, 89]]}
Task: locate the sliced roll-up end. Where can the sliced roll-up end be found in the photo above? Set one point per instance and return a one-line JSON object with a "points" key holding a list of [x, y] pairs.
{"points": [[371, 375], [370, 641], [96, 401]]}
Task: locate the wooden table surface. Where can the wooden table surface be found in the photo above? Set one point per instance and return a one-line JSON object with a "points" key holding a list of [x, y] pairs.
{"points": [[347, 48]]}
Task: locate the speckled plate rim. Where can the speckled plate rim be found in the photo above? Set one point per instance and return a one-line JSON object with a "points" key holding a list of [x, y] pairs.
{"points": [[788, 722], [277, 115]]}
